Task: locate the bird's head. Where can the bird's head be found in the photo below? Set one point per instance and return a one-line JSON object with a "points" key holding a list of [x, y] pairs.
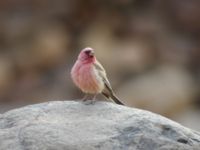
{"points": [[87, 54]]}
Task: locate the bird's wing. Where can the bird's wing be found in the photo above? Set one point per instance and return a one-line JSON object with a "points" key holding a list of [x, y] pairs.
{"points": [[102, 74], [107, 92]]}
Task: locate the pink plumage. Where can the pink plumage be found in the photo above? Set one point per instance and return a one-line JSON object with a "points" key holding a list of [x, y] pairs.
{"points": [[84, 75], [89, 75]]}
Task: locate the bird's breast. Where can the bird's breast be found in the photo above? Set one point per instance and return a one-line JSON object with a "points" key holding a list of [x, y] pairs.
{"points": [[88, 79]]}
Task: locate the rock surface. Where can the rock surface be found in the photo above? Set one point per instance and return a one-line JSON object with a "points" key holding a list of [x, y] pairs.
{"points": [[69, 125]]}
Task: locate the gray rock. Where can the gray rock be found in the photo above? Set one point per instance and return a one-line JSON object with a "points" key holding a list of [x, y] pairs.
{"points": [[69, 125]]}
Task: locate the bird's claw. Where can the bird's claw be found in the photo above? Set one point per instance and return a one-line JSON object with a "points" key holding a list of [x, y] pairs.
{"points": [[89, 102]]}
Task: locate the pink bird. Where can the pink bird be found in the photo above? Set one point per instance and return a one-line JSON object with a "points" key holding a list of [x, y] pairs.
{"points": [[90, 76]]}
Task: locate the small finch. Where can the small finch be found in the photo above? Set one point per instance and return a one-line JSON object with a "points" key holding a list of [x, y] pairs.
{"points": [[90, 76]]}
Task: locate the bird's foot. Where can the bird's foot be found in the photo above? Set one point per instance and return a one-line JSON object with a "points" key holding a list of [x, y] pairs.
{"points": [[85, 98], [89, 102]]}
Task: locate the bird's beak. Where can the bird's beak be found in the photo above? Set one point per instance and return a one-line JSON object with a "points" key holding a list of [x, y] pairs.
{"points": [[91, 53]]}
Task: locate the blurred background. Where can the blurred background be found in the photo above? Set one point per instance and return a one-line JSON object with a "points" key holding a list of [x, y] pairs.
{"points": [[150, 49]]}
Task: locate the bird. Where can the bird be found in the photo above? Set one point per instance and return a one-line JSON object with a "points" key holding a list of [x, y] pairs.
{"points": [[89, 75]]}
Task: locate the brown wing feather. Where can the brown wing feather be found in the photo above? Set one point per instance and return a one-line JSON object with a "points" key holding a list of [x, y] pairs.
{"points": [[107, 92], [102, 74]]}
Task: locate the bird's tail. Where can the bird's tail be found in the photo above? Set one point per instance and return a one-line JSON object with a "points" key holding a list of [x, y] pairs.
{"points": [[116, 99], [113, 97]]}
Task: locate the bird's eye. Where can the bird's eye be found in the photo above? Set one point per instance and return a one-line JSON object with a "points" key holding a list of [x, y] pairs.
{"points": [[87, 52]]}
